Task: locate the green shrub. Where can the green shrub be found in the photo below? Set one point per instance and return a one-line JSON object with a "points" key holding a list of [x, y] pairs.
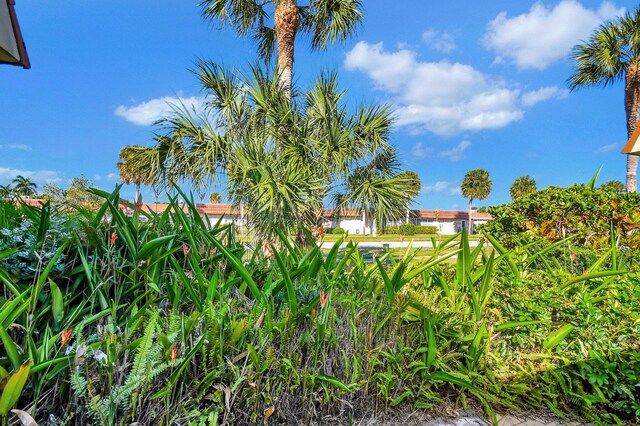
{"points": [[391, 230], [576, 211], [407, 229], [426, 229], [337, 231]]}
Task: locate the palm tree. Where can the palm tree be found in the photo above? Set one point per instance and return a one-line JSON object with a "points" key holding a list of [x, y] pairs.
{"points": [[24, 186], [611, 54], [612, 185], [476, 185], [135, 167], [275, 24], [280, 157], [417, 186], [214, 198], [380, 190], [522, 186], [5, 191]]}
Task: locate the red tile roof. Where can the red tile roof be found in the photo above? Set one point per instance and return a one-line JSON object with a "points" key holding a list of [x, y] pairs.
{"points": [[344, 212], [216, 209], [449, 214]]}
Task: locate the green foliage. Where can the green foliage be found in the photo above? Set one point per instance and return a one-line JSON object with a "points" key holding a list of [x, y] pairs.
{"points": [[77, 195], [164, 319], [577, 211], [522, 186], [33, 235], [337, 231], [407, 229], [215, 197], [426, 229], [476, 185], [612, 185], [411, 229]]}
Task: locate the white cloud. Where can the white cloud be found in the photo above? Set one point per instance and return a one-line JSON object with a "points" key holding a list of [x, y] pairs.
{"points": [[529, 99], [442, 42], [19, 147], [536, 39], [441, 97], [607, 148], [419, 150], [40, 177], [457, 152], [113, 177], [147, 113], [439, 186]]}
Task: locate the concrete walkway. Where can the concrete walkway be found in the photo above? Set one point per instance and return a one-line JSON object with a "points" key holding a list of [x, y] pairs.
{"points": [[392, 244], [507, 420]]}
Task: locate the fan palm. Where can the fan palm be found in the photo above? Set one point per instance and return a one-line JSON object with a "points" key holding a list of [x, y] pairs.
{"points": [[476, 185], [612, 54], [380, 190], [280, 157], [24, 186], [417, 186], [5, 191], [275, 24], [136, 166], [522, 186]]}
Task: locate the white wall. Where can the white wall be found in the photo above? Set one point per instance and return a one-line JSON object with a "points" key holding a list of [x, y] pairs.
{"points": [[213, 219]]}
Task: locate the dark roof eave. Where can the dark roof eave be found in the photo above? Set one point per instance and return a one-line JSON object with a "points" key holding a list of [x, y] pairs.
{"points": [[22, 50]]}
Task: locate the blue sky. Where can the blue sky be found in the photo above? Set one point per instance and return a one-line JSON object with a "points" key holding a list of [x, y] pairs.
{"points": [[474, 85]]}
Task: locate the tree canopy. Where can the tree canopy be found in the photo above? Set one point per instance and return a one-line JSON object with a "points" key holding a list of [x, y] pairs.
{"points": [[522, 186]]}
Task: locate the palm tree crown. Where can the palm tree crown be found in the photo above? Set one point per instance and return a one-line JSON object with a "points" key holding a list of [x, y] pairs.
{"points": [[276, 23], [522, 186], [476, 185], [135, 166], [611, 54], [24, 186]]}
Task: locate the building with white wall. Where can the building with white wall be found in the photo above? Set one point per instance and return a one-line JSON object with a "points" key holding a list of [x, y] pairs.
{"points": [[446, 221]]}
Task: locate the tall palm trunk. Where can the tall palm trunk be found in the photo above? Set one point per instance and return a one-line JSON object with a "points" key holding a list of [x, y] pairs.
{"points": [[364, 221], [631, 104], [137, 192], [287, 22], [469, 221]]}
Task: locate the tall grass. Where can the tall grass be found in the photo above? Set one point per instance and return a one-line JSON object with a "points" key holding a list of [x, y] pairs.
{"points": [[166, 319]]}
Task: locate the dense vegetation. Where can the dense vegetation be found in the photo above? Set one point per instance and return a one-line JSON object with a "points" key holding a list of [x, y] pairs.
{"points": [[586, 214], [165, 319]]}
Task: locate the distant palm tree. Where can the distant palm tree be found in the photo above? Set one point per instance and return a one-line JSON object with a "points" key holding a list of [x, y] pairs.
{"points": [[611, 54], [476, 185], [24, 186], [275, 24], [5, 191], [612, 185], [522, 186], [215, 198], [417, 186], [135, 167]]}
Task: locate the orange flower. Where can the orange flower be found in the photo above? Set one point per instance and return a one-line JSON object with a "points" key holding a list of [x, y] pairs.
{"points": [[114, 237], [174, 354], [138, 206], [66, 334], [323, 299], [185, 249]]}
